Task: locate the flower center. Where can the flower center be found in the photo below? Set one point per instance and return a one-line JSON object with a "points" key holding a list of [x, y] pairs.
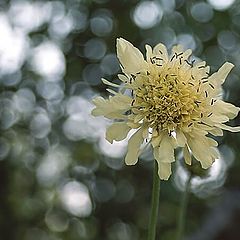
{"points": [[168, 98]]}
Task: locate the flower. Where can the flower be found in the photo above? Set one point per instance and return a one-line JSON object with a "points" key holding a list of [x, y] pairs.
{"points": [[174, 102]]}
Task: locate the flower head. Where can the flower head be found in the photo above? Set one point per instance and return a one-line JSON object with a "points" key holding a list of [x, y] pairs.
{"points": [[174, 102]]}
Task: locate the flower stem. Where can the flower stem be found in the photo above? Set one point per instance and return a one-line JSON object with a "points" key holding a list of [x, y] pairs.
{"points": [[183, 209], [154, 204]]}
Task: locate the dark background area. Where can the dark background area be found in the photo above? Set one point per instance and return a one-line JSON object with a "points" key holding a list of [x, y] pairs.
{"points": [[59, 178]]}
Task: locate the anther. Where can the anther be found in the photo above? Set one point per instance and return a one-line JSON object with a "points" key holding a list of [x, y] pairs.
{"points": [[206, 93], [201, 67], [177, 55], [190, 124], [197, 103], [210, 114], [212, 101], [189, 63], [133, 76], [180, 60], [211, 85], [172, 58], [152, 61]]}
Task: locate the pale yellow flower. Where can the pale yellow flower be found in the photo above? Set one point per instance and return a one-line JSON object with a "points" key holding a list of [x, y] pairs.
{"points": [[174, 102]]}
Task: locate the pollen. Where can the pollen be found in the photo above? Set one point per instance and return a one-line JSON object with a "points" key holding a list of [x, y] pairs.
{"points": [[168, 98]]}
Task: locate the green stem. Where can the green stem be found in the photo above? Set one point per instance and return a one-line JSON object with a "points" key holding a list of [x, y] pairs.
{"points": [[154, 204], [183, 209]]}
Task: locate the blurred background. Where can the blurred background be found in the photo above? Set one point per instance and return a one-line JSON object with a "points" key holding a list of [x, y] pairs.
{"points": [[59, 178]]}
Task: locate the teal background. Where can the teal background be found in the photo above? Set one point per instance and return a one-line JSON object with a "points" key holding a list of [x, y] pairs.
{"points": [[59, 178]]}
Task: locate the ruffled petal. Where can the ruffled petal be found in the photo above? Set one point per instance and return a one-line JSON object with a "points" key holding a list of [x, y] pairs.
{"points": [[134, 144], [117, 131], [228, 109], [219, 77], [129, 56], [202, 149], [114, 107]]}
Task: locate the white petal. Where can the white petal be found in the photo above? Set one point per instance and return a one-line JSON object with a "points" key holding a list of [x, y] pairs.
{"points": [[134, 144], [164, 170], [109, 83], [181, 139], [117, 131], [187, 156], [114, 107], [216, 131], [156, 141], [112, 91], [202, 150], [225, 108], [123, 78], [165, 150], [229, 128], [179, 49], [161, 50], [129, 56], [219, 77], [148, 52]]}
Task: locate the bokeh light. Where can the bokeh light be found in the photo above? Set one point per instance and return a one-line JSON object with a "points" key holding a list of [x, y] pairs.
{"points": [[221, 4], [76, 200], [147, 14]]}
